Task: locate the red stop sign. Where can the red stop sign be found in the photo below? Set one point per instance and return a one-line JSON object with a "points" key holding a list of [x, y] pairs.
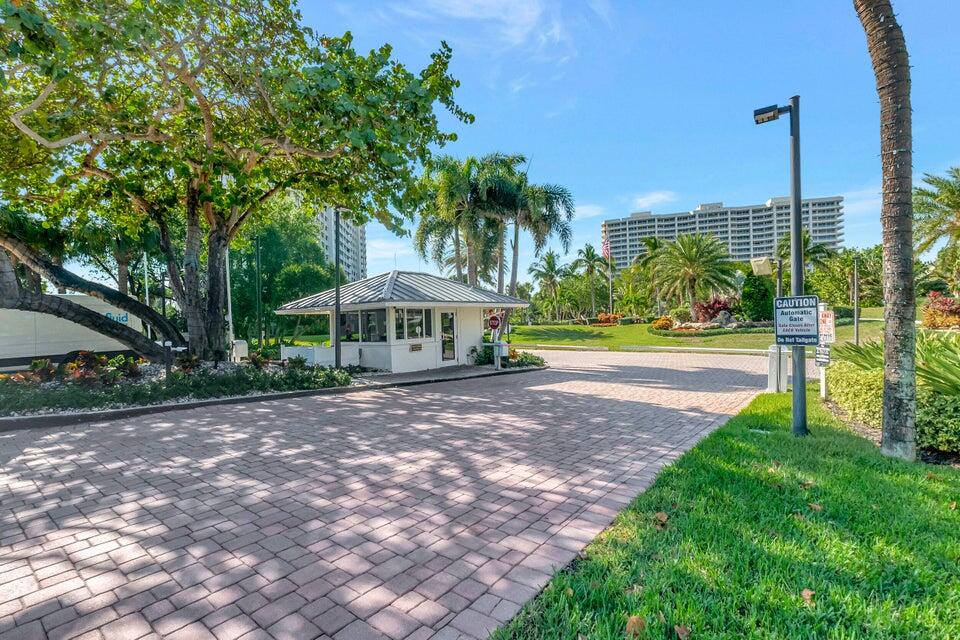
{"points": [[494, 322]]}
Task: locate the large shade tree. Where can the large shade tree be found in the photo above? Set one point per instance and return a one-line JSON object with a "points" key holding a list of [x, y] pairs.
{"points": [[196, 113], [891, 68]]}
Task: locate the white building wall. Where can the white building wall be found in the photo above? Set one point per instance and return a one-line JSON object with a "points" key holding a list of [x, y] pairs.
{"points": [[749, 231], [30, 335], [353, 244]]}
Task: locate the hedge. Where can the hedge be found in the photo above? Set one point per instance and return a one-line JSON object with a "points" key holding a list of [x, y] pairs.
{"points": [[699, 333], [859, 392]]}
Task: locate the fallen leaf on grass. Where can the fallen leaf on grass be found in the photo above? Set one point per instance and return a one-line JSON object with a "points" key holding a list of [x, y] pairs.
{"points": [[663, 618], [814, 506], [661, 522], [809, 484], [635, 589], [798, 516], [569, 592], [635, 626], [682, 631], [953, 506], [807, 595]]}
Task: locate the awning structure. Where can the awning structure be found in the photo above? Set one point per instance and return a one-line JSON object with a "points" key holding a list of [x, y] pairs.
{"points": [[402, 289]]}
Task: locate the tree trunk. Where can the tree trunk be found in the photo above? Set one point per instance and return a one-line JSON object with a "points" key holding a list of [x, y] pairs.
{"points": [[13, 297], [193, 300], [215, 328], [123, 274], [501, 256], [593, 296], [891, 66], [457, 257], [39, 264], [516, 255], [58, 261]]}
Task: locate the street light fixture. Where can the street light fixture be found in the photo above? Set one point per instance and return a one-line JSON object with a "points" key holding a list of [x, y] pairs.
{"points": [[761, 116]]}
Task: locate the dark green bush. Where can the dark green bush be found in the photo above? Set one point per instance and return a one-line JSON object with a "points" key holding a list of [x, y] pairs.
{"points": [[842, 312], [627, 320], [527, 359], [699, 333], [681, 314], [859, 392], [756, 301], [201, 384]]}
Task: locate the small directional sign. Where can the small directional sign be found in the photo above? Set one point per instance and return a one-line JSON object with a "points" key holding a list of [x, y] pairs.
{"points": [[823, 356], [795, 320]]}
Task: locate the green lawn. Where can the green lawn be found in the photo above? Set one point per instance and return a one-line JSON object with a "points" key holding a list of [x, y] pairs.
{"points": [[754, 517], [637, 334]]}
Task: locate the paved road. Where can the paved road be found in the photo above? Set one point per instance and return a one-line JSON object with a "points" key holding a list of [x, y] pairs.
{"points": [[423, 512]]}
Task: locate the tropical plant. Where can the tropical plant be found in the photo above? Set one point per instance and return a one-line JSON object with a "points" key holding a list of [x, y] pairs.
{"points": [[756, 297], [941, 312], [648, 260], [937, 217], [693, 266], [814, 254], [590, 263], [891, 67], [938, 359], [547, 272]]}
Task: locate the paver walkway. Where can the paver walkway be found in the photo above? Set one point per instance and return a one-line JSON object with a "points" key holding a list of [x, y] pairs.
{"points": [[422, 512]]}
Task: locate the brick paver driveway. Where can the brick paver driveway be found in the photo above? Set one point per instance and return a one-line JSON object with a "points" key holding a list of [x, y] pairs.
{"points": [[423, 512]]}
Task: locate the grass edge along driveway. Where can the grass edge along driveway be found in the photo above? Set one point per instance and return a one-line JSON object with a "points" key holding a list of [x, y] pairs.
{"points": [[756, 534], [615, 338]]}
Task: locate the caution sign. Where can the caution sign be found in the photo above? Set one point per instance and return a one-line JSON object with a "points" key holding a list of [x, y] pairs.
{"points": [[796, 321]]}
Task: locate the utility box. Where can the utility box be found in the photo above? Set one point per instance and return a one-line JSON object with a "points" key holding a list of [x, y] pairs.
{"points": [[777, 379], [240, 350]]}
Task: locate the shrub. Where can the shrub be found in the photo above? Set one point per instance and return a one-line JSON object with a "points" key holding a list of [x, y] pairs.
{"points": [[681, 314], [840, 312], [258, 360], [941, 312], [707, 311], [43, 369], [609, 318], [938, 360], [662, 323], [187, 363], [756, 300], [526, 359], [624, 321], [859, 392], [296, 363], [481, 356]]}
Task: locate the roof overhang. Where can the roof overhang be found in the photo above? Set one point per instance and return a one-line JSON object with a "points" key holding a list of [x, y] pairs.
{"points": [[308, 311]]}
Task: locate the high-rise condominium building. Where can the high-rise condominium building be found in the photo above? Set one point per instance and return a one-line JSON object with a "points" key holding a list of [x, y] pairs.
{"points": [[353, 244], [749, 231]]}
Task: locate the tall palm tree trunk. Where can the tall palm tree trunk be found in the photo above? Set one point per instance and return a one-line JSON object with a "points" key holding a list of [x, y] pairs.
{"points": [[593, 296], [501, 256], [516, 255], [891, 66], [456, 253]]}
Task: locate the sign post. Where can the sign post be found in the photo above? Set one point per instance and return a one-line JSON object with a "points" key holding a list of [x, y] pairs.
{"points": [[796, 324], [494, 323], [828, 335]]}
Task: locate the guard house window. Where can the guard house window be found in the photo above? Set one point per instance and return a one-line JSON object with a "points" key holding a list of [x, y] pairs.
{"points": [[398, 324], [374, 324], [350, 326], [414, 323]]}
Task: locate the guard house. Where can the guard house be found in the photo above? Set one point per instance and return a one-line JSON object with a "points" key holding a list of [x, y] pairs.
{"points": [[402, 321]]}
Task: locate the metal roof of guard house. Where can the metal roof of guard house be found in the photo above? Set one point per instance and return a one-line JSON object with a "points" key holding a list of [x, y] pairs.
{"points": [[403, 289]]}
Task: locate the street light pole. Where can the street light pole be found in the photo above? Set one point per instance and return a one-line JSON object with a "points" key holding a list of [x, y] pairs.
{"points": [[335, 322], [856, 300], [761, 116], [796, 270]]}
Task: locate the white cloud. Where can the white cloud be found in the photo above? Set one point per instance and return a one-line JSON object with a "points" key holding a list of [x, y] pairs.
{"points": [[651, 199], [588, 211], [863, 202]]}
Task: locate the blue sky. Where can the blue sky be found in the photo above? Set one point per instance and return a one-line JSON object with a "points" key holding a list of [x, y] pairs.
{"points": [[648, 104]]}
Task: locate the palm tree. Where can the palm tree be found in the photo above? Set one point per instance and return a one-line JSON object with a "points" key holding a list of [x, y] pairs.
{"points": [[547, 273], [447, 185], [891, 68], [814, 255], [695, 264], [590, 262], [937, 209], [648, 260]]}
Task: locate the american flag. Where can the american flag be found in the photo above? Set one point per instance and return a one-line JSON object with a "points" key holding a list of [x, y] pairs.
{"points": [[605, 249]]}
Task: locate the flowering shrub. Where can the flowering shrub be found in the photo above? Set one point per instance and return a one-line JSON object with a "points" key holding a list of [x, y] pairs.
{"points": [[681, 314], [941, 312], [662, 323], [707, 311], [609, 318]]}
